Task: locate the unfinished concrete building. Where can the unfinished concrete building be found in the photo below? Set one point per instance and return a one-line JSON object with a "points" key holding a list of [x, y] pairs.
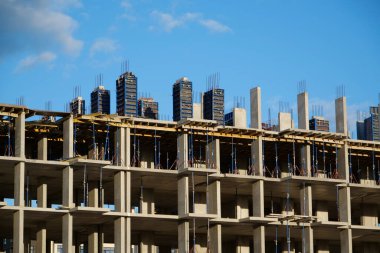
{"points": [[103, 183]]}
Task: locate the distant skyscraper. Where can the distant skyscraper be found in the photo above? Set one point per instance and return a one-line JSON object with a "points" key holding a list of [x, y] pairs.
{"points": [[126, 94], [319, 124], [148, 108], [369, 129], [77, 106], [182, 99], [213, 105], [100, 100]]}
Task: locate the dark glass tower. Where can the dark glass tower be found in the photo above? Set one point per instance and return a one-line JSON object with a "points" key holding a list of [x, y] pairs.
{"points": [[213, 105], [126, 94], [182, 99], [148, 108], [100, 100]]}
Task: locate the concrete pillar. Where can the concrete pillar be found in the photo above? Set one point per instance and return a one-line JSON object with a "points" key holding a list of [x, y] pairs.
{"points": [[213, 154], [67, 233], [257, 156], [147, 243], [128, 190], [93, 240], [120, 147], [258, 199], [306, 160], [239, 117], [306, 202], [41, 239], [183, 236], [215, 238], [303, 110], [127, 144], [42, 195], [343, 166], [119, 191], [242, 245], [183, 195], [182, 147], [369, 216], [42, 148], [19, 184], [323, 246], [18, 231], [308, 243], [214, 204], [284, 121], [20, 135], [341, 115], [93, 197], [101, 239], [68, 138], [67, 187], [242, 210], [346, 241], [259, 239], [147, 201], [128, 242], [119, 234], [197, 111], [344, 204], [322, 211], [255, 94]]}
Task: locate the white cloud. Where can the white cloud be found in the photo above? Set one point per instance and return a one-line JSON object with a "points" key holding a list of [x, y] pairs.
{"points": [[37, 25], [214, 26], [103, 45], [33, 60], [128, 10], [167, 22]]}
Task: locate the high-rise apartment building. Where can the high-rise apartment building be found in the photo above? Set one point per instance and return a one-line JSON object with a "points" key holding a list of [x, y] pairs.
{"points": [[126, 94], [78, 106], [369, 129], [319, 123], [148, 108], [100, 100], [182, 99], [213, 105]]}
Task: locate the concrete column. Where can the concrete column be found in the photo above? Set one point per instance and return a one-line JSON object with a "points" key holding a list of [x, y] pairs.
{"points": [[119, 234], [147, 202], [306, 160], [128, 186], [258, 199], [182, 147], [343, 166], [20, 135], [41, 239], [119, 191], [147, 243], [42, 148], [67, 187], [214, 204], [257, 156], [259, 239], [242, 210], [18, 231], [306, 202], [323, 246], [183, 195], [42, 195], [239, 117], [67, 233], [308, 244], [341, 115], [127, 144], [128, 242], [256, 107], [68, 138], [93, 240], [93, 197], [303, 110], [215, 238], [345, 204], [19, 184], [120, 146], [101, 239], [284, 121], [183, 236], [242, 245], [346, 241], [213, 155]]}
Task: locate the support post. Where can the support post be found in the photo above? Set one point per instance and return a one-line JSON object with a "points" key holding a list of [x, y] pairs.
{"points": [[19, 184], [213, 155], [67, 233], [147, 202], [255, 94], [182, 147], [346, 241], [119, 234], [18, 231], [215, 238], [119, 191], [93, 239], [20, 135], [183, 237], [257, 156], [214, 205], [341, 115], [68, 138], [41, 239], [258, 199], [42, 148], [259, 239], [42, 196], [183, 196], [120, 147], [345, 204]]}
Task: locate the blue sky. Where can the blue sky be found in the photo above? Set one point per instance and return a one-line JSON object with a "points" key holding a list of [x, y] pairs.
{"points": [[48, 47]]}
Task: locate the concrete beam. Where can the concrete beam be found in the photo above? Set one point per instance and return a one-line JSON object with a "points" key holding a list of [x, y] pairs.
{"points": [[42, 151], [258, 199], [42, 195], [183, 237], [257, 156], [255, 94], [20, 135], [18, 231], [68, 138], [341, 115], [259, 239], [303, 110], [19, 184]]}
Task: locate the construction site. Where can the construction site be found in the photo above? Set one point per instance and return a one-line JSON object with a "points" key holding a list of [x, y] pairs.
{"points": [[108, 183]]}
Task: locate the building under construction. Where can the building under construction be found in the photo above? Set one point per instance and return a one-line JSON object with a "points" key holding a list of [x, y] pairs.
{"points": [[105, 183], [126, 94], [147, 108]]}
